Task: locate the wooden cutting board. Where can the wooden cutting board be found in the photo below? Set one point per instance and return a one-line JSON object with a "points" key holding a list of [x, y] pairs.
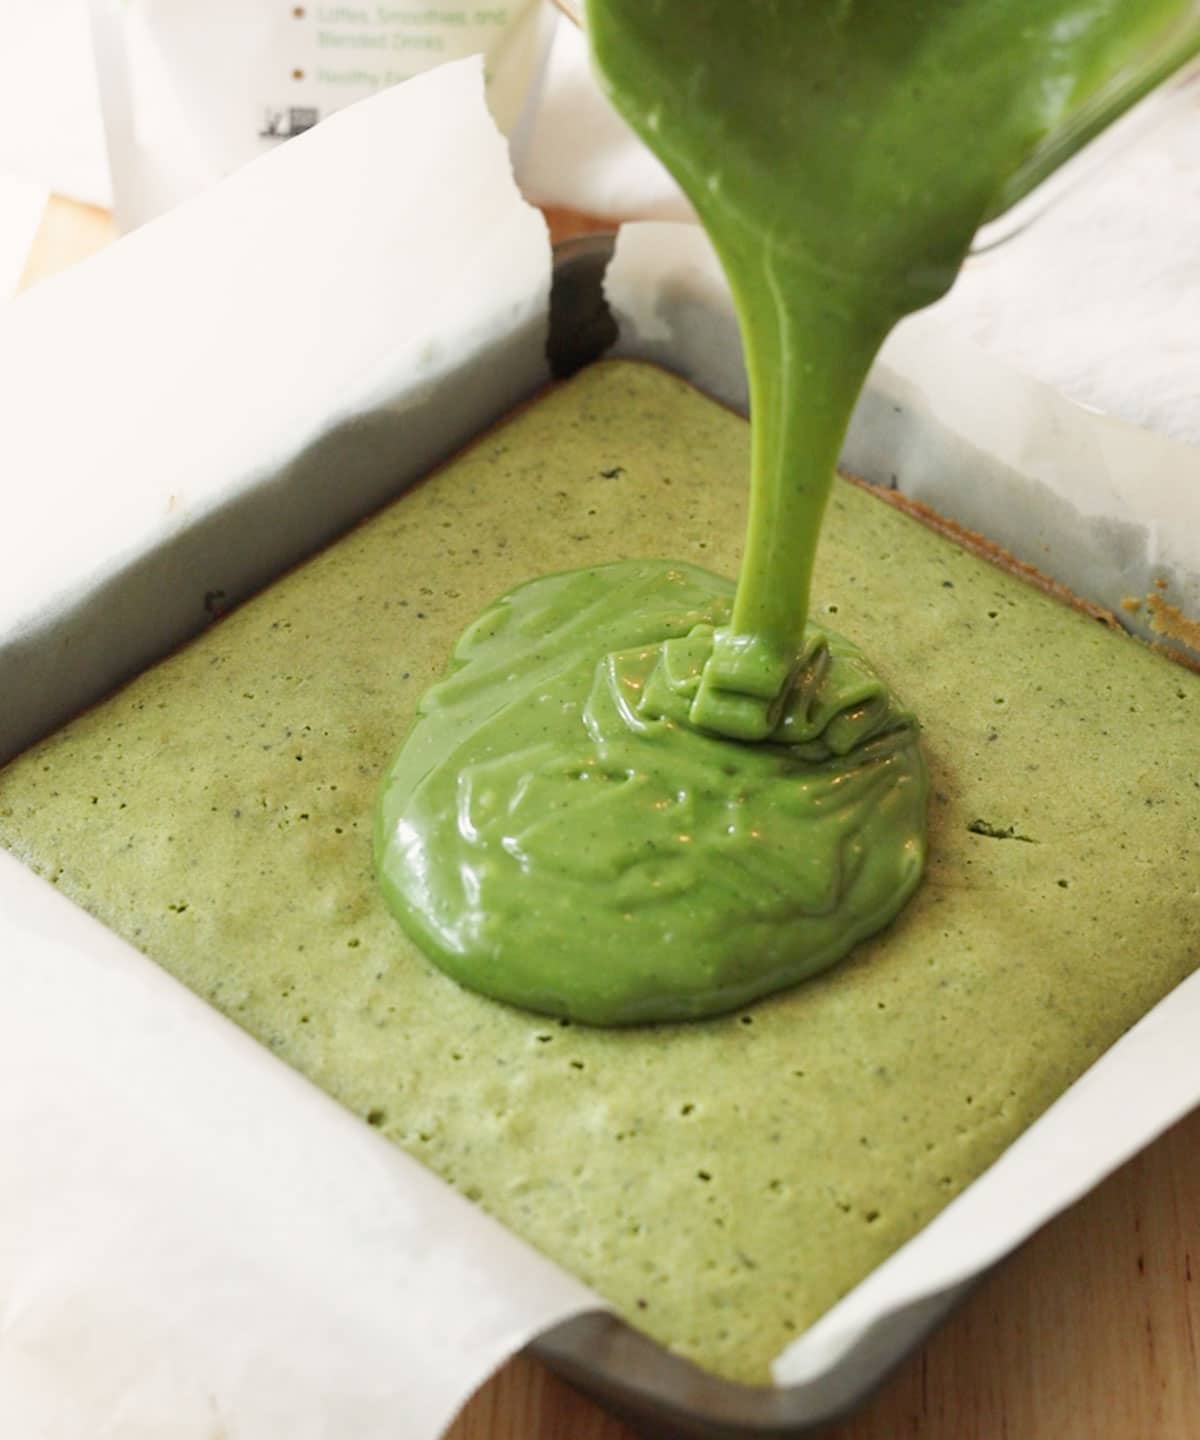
{"points": [[1092, 1332]]}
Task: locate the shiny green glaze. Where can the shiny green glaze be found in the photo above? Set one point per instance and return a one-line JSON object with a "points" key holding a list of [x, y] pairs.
{"points": [[548, 843], [556, 832]]}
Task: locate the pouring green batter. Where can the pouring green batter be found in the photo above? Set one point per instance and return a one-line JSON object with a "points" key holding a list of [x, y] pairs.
{"points": [[638, 796]]}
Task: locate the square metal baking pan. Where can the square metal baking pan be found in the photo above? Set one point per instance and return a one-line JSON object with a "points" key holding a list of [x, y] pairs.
{"points": [[654, 1390]]}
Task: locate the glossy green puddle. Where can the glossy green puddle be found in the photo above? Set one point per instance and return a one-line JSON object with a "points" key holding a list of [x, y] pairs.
{"points": [[617, 808]]}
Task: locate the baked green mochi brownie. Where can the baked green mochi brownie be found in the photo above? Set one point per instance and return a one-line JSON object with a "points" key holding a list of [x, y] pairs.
{"points": [[722, 1183]]}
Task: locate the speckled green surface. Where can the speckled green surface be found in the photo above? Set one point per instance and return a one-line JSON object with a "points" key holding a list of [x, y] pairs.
{"points": [[722, 1183]]}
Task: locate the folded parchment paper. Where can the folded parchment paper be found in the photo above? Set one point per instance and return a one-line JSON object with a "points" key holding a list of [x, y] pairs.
{"points": [[193, 1240], [159, 400], [1108, 509]]}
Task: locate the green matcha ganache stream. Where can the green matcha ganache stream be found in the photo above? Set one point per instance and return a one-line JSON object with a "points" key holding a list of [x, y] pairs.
{"points": [[841, 155], [637, 796]]}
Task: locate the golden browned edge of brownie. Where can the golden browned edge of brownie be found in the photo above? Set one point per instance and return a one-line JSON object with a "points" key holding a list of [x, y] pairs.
{"points": [[1166, 619]]}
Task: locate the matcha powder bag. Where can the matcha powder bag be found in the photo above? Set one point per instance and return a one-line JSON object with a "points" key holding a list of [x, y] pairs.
{"points": [[191, 89]]}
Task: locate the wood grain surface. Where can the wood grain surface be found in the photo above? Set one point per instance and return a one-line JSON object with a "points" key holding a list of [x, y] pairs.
{"points": [[1091, 1332]]}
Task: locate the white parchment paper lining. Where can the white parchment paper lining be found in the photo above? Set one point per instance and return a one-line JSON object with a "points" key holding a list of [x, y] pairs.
{"points": [[193, 1240], [1110, 510]]}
